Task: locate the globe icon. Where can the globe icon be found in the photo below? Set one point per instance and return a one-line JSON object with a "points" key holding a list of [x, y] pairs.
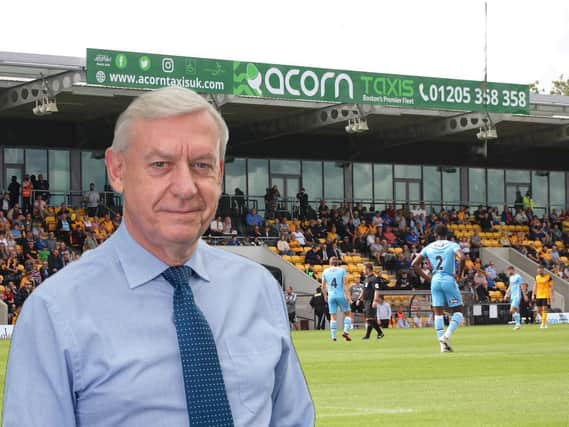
{"points": [[100, 76]]}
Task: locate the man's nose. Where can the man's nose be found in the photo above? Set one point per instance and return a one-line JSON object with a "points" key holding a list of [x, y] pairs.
{"points": [[184, 185]]}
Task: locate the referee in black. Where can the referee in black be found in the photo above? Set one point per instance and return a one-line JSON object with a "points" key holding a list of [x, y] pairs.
{"points": [[370, 297]]}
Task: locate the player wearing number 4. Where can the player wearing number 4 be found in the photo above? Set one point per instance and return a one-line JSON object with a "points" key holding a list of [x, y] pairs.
{"points": [[514, 294], [338, 296], [442, 255]]}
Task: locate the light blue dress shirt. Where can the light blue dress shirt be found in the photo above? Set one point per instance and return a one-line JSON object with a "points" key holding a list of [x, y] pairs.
{"points": [[95, 345]]}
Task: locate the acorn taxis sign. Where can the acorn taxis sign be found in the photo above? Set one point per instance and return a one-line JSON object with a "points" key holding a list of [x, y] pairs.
{"points": [[253, 79]]}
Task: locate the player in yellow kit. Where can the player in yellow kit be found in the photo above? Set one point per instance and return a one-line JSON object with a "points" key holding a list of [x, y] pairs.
{"points": [[542, 294]]}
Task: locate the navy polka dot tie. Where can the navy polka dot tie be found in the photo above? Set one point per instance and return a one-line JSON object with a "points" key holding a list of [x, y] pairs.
{"points": [[203, 379]]}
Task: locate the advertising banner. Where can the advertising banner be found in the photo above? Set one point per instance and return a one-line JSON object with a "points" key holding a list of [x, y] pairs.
{"points": [[149, 71]]}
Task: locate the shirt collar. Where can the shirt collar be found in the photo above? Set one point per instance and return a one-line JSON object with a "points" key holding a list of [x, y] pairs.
{"points": [[140, 266]]}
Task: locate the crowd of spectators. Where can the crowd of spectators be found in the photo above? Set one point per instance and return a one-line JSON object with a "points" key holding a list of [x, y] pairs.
{"points": [[393, 236], [37, 240]]}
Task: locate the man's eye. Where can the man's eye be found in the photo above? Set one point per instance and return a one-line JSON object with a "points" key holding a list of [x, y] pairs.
{"points": [[159, 164], [202, 165]]}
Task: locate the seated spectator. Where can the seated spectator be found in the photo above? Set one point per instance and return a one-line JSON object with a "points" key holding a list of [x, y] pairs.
{"points": [[30, 252], [298, 235], [55, 261], [389, 236], [417, 320], [63, 228], [323, 253], [234, 241], [404, 282], [401, 318], [376, 250], [312, 256], [227, 226], [216, 226], [318, 230], [347, 247], [39, 208], [411, 237], [283, 246], [521, 218], [90, 242], [333, 251], [253, 218], [506, 216], [505, 241]]}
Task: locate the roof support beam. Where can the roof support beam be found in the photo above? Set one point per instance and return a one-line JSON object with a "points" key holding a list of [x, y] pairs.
{"points": [[33, 91]]}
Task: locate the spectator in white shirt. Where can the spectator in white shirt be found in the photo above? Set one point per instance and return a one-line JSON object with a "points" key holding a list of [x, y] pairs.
{"points": [[216, 227], [283, 246], [299, 237], [383, 312]]}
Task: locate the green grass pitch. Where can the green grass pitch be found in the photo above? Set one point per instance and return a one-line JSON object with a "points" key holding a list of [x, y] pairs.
{"points": [[496, 377]]}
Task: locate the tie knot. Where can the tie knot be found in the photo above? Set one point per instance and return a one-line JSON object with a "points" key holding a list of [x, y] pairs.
{"points": [[178, 275]]}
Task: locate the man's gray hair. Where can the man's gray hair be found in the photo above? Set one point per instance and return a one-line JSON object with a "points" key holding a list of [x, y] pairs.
{"points": [[163, 103]]}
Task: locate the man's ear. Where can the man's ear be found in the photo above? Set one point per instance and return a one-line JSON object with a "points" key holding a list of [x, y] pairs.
{"points": [[115, 163]]}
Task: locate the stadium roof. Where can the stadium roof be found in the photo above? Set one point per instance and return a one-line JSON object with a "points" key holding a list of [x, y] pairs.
{"points": [[259, 124]]}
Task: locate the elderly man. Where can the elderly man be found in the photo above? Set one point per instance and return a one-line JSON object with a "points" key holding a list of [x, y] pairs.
{"points": [[155, 328]]}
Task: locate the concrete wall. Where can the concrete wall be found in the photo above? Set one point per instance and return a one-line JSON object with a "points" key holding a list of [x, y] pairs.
{"points": [[503, 257], [303, 285], [3, 313]]}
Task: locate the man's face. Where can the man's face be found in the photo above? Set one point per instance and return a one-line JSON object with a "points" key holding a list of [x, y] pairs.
{"points": [[170, 178]]}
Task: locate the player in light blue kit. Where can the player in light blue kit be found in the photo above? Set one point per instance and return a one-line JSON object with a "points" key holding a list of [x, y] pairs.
{"points": [[335, 290], [442, 255], [514, 294]]}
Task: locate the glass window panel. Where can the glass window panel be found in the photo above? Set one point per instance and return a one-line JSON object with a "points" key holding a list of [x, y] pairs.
{"points": [[36, 162], [477, 186], [557, 190], [407, 171], [362, 182], [235, 176], [451, 187], [14, 155], [58, 175], [312, 181], [539, 190], [400, 192], [258, 176], [285, 166], [517, 176], [414, 192], [382, 184], [431, 184], [495, 187], [93, 171], [333, 182]]}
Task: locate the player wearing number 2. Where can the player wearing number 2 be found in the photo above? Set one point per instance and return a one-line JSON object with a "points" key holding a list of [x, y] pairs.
{"points": [[338, 296], [442, 255]]}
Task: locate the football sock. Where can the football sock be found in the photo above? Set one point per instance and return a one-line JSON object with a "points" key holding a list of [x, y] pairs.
{"points": [[544, 318], [454, 323], [377, 327], [440, 325], [517, 319], [369, 327], [333, 328], [347, 324]]}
